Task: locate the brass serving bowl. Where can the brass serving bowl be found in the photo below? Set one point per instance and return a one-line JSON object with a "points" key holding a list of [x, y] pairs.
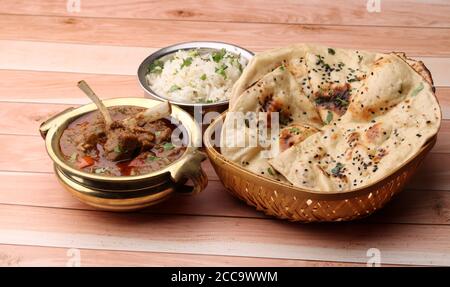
{"points": [[127, 193], [288, 202]]}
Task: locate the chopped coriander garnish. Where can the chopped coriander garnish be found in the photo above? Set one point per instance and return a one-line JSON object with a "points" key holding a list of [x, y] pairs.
{"points": [[217, 56], [329, 117], [417, 90], [155, 67], [100, 170], [73, 157], [168, 146], [174, 88], [203, 77], [117, 149], [337, 169], [331, 51], [282, 67], [208, 101], [186, 62], [235, 62], [157, 133], [342, 102], [194, 53], [240, 67], [221, 70], [294, 130], [270, 171], [151, 158]]}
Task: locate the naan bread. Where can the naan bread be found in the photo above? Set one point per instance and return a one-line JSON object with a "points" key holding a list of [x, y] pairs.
{"points": [[353, 117], [334, 77], [262, 64], [277, 91]]}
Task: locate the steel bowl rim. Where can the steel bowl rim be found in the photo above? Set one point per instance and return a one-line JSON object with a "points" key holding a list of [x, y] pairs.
{"points": [[247, 54]]}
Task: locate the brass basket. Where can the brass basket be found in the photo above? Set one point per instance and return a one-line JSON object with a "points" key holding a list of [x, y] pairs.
{"points": [[287, 202]]}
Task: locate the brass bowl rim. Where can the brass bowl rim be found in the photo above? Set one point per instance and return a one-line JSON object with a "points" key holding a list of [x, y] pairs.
{"points": [[291, 188], [63, 119]]}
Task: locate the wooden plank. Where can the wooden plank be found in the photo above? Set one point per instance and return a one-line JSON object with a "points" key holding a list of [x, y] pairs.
{"points": [[443, 95], [78, 58], [254, 36], [228, 237], [43, 190], [339, 12], [61, 88], [398, 243], [433, 174], [116, 60], [31, 256]]}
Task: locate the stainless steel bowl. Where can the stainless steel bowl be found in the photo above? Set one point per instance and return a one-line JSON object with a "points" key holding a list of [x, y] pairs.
{"points": [[189, 107]]}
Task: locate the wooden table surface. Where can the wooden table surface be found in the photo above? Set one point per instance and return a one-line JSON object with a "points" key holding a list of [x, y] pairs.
{"points": [[45, 48]]}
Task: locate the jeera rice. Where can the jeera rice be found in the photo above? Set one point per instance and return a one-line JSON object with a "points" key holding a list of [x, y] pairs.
{"points": [[196, 76]]}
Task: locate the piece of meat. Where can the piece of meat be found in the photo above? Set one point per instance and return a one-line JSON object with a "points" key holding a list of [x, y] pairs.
{"points": [[163, 134], [145, 137], [91, 135], [146, 140], [159, 129], [121, 144]]}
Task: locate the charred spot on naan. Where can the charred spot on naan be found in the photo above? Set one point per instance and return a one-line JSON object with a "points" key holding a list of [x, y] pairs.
{"points": [[377, 133], [271, 104], [380, 153], [334, 98], [353, 138], [294, 134]]}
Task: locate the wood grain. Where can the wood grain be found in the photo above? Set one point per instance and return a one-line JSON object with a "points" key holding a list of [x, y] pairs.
{"points": [[43, 190], [338, 12], [78, 58], [254, 36], [399, 243], [60, 88], [116, 60], [45, 50], [31, 256]]}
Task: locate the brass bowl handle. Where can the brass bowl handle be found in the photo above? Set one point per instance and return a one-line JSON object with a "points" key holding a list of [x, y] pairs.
{"points": [[192, 170], [46, 125]]}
